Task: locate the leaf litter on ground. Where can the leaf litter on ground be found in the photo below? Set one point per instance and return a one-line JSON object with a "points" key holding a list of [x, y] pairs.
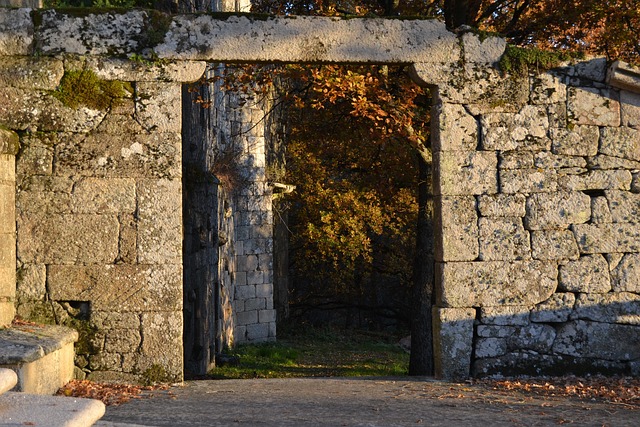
{"points": [[615, 390], [111, 394]]}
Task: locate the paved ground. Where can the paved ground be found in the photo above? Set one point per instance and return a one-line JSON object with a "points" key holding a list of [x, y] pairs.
{"points": [[357, 402]]}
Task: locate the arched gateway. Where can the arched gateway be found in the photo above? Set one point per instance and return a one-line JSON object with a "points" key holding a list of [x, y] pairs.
{"points": [[536, 187]]}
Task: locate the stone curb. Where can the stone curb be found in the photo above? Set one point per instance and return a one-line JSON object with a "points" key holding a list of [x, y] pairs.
{"points": [[20, 409]]}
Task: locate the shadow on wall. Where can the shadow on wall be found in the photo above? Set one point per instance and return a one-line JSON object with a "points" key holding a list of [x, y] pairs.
{"points": [[571, 333]]}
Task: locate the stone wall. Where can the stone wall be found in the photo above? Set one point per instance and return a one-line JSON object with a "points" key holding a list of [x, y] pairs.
{"points": [[538, 208], [98, 206], [536, 184]]}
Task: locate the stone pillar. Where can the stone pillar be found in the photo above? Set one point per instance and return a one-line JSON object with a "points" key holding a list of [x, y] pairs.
{"points": [[8, 148]]}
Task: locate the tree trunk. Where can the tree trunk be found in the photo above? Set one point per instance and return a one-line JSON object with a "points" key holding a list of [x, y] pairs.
{"points": [[421, 360]]}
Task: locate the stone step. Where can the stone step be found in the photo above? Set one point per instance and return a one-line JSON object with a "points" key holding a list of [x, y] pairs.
{"points": [[8, 380], [21, 409], [41, 356]]}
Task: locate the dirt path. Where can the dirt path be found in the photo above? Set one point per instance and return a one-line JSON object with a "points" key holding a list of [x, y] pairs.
{"points": [[358, 402]]}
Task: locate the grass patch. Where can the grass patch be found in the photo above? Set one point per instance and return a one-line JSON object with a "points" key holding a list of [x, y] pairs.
{"points": [[318, 353]]}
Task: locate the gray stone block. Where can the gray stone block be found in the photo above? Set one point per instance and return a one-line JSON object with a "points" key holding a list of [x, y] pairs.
{"points": [[548, 211], [593, 340], [453, 340], [457, 222], [525, 130], [494, 283], [616, 307], [607, 238], [590, 273], [596, 180], [592, 106], [554, 310], [68, 239], [528, 181], [508, 315], [624, 205], [554, 245], [502, 205], [620, 142], [490, 347], [503, 239], [465, 172], [579, 141], [454, 129], [625, 276]]}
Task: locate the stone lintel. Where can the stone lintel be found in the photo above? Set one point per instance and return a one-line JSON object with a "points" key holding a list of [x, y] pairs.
{"points": [[624, 76]]}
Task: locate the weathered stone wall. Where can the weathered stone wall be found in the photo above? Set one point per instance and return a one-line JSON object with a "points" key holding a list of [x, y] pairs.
{"points": [[537, 204], [536, 181], [99, 215]]}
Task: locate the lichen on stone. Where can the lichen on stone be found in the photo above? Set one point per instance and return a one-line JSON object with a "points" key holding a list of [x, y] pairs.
{"points": [[83, 88]]}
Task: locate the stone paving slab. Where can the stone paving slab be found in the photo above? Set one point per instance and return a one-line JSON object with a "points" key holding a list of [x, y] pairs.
{"points": [[21, 409], [357, 402]]}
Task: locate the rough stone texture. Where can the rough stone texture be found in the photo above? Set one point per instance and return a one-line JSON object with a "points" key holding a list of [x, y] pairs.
{"points": [[535, 337], [600, 212], [502, 205], [120, 287], [465, 172], [525, 130], [579, 141], [596, 180], [625, 277], [547, 89], [31, 73], [554, 310], [624, 206], [607, 238], [548, 211], [160, 222], [593, 339], [503, 239], [453, 345], [630, 109], [593, 106], [68, 239], [554, 245], [492, 283], [453, 128], [508, 315], [16, 32], [528, 181], [620, 142], [487, 51], [457, 219], [530, 173], [588, 274], [616, 307]]}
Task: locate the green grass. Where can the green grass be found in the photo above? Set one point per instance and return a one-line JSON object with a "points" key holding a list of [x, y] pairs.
{"points": [[315, 353]]}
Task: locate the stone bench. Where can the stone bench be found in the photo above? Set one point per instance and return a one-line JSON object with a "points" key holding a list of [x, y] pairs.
{"points": [[20, 409], [41, 355]]}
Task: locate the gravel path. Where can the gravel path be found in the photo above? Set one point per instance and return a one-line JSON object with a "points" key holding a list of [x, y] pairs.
{"points": [[358, 402]]}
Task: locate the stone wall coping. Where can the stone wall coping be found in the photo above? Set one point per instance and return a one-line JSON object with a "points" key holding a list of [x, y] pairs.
{"points": [[26, 343], [625, 76]]}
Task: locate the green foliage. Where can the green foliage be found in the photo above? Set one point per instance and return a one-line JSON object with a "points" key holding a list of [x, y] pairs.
{"points": [[319, 353], [521, 60], [84, 88]]}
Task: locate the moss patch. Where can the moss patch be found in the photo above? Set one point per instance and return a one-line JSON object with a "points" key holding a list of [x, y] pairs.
{"points": [[80, 88], [156, 374], [520, 60]]}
